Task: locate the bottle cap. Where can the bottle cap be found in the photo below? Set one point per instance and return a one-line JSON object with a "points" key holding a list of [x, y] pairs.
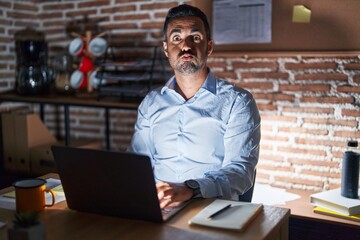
{"points": [[352, 143]]}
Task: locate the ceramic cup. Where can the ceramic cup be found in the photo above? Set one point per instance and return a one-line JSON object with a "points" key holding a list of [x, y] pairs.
{"points": [[30, 195], [97, 46], [86, 64], [77, 47], [95, 81], [78, 80]]}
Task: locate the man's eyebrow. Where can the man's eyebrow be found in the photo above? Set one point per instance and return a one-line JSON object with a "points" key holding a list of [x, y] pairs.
{"points": [[175, 30], [178, 30]]}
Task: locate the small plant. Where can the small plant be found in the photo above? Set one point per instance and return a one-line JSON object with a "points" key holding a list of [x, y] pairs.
{"points": [[26, 219]]}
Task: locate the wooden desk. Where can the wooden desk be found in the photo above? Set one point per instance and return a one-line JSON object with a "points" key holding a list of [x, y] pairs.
{"points": [[62, 223], [80, 100], [305, 224]]}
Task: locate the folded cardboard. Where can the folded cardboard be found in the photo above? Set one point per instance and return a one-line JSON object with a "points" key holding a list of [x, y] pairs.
{"points": [[42, 160]]}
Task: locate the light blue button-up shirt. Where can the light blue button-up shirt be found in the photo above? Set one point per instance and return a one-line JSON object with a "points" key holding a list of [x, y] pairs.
{"points": [[212, 137]]}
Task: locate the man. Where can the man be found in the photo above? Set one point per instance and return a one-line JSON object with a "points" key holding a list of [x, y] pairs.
{"points": [[201, 133]]}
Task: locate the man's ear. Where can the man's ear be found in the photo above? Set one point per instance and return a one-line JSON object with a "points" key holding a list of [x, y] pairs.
{"points": [[165, 47], [210, 47]]}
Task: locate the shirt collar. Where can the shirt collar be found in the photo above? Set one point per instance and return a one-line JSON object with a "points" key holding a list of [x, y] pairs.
{"points": [[209, 84]]}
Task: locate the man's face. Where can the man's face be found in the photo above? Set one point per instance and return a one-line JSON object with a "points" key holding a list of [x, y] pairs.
{"points": [[187, 47]]}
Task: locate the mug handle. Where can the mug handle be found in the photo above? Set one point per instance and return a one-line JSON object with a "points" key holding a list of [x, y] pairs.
{"points": [[53, 197]]}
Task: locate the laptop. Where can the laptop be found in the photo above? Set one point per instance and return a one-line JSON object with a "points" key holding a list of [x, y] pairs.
{"points": [[118, 184]]}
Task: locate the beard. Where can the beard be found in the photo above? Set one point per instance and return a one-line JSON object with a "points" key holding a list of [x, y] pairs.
{"points": [[189, 67]]}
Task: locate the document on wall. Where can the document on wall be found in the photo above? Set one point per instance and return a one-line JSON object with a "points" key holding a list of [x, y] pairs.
{"points": [[242, 21]]}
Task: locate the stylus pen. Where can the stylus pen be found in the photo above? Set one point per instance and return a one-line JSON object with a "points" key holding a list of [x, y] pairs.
{"points": [[219, 211]]}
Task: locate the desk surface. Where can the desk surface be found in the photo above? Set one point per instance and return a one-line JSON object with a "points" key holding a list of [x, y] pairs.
{"points": [[301, 208], [84, 99], [61, 223]]}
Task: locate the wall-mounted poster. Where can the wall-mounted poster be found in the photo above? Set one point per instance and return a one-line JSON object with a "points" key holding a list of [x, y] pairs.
{"points": [[241, 21]]}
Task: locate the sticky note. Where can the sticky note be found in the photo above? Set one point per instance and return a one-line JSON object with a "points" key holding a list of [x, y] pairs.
{"points": [[301, 14]]}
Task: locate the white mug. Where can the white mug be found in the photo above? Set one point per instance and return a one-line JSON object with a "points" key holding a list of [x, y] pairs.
{"points": [[76, 47], [97, 46], [95, 81], [78, 79]]}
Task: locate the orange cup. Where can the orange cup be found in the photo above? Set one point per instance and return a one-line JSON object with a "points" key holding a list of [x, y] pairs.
{"points": [[30, 195]]}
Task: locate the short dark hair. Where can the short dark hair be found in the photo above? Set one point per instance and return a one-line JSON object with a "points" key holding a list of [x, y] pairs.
{"points": [[185, 10]]}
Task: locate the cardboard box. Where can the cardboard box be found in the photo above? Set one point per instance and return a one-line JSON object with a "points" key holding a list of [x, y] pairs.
{"points": [[8, 136], [8, 140], [42, 160], [30, 131]]}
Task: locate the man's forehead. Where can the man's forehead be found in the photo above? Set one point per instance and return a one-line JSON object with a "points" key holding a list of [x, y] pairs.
{"points": [[189, 22]]}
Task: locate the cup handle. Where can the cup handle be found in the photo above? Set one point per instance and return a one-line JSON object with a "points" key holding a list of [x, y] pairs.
{"points": [[53, 197]]}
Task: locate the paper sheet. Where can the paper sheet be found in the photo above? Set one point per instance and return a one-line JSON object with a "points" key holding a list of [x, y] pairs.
{"points": [[7, 200], [269, 195], [241, 21]]}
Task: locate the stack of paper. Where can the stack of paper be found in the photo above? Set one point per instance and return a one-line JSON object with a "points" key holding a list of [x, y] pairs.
{"points": [[333, 204]]}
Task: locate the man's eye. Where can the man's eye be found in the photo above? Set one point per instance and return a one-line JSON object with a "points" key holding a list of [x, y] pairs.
{"points": [[176, 38], [197, 38]]}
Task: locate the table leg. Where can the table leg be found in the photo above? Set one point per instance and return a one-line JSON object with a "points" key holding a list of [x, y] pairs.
{"points": [[107, 128], [67, 125]]}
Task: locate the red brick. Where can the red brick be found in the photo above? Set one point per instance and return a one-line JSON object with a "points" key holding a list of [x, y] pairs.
{"points": [[22, 23], [119, 9], [255, 85], [127, 1], [267, 166], [322, 76], [276, 118], [132, 17], [120, 26], [264, 75], [294, 150], [272, 157], [274, 97], [350, 112], [217, 64], [18, 15], [356, 78], [266, 107], [302, 66], [150, 25], [27, 7], [348, 89], [224, 74], [305, 88], [352, 66], [331, 122], [334, 100], [318, 110], [157, 6], [303, 130], [5, 4], [80, 13], [252, 65], [326, 174], [307, 162], [273, 137], [347, 134], [96, 3], [58, 6], [319, 142]]}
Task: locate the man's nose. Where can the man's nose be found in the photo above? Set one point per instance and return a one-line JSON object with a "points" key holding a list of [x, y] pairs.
{"points": [[187, 44]]}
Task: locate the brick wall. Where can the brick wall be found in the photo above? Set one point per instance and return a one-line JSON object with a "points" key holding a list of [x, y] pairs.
{"points": [[309, 102]]}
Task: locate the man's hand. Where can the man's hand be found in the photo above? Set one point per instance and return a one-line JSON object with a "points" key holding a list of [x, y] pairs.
{"points": [[172, 194]]}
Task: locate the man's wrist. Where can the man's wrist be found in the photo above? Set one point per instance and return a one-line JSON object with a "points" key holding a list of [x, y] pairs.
{"points": [[195, 187]]}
